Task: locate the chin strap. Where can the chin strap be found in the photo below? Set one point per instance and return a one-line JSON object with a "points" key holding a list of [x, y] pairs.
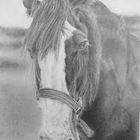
{"points": [[69, 101], [85, 128]]}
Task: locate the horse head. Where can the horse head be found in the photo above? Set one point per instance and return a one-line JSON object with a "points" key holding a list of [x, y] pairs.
{"points": [[65, 47]]}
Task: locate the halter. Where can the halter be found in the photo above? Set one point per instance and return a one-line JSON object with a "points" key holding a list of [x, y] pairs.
{"points": [[70, 102], [65, 99]]}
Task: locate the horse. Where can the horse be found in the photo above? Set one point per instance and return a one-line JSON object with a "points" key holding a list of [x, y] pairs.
{"points": [[83, 89]]}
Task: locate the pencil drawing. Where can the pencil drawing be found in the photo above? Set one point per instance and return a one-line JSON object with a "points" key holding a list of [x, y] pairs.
{"points": [[86, 68]]}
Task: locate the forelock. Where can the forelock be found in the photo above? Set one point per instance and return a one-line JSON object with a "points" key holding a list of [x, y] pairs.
{"points": [[47, 26]]}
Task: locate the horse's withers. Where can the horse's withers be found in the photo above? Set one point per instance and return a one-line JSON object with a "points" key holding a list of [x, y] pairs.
{"points": [[56, 116]]}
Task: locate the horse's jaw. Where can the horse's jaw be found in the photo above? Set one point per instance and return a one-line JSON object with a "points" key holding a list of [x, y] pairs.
{"points": [[55, 115]]}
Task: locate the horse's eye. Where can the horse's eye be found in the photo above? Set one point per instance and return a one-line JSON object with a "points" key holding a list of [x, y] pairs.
{"points": [[84, 45]]}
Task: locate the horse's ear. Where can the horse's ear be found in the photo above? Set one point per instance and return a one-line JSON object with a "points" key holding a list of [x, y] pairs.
{"points": [[27, 3]]}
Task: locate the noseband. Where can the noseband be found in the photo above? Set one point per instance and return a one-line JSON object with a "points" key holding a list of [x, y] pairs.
{"points": [[61, 97]]}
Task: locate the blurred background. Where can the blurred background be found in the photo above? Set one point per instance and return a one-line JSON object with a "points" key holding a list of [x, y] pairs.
{"points": [[19, 114]]}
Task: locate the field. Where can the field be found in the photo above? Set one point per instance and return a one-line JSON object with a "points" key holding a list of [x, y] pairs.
{"points": [[19, 113]]}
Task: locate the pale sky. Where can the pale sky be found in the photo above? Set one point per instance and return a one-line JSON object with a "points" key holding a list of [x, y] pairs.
{"points": [[12, 12], [123, 7]]}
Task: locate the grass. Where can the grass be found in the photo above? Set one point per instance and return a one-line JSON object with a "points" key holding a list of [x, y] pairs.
{"points": [[14, 32]]}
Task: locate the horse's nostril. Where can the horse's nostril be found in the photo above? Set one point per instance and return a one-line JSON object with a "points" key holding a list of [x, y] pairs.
{"points": [[41, 138], [69, 139]]}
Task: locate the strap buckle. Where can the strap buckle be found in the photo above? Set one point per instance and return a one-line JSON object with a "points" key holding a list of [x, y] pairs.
{"points": [[37, 95], [79, 109]]}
